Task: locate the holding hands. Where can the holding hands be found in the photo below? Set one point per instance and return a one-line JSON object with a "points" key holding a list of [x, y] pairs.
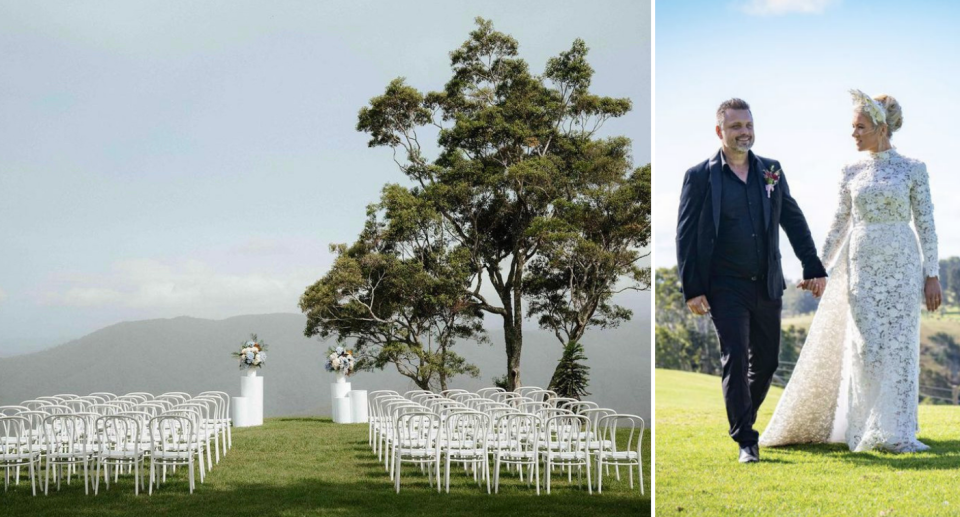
{"points": [[816, 286]]}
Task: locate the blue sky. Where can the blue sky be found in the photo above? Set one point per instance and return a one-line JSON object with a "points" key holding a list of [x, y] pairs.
{"points": [[172, 158], [793, 61]]}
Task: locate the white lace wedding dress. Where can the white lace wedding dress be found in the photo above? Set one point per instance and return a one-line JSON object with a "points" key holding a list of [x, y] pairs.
{"points": [[856, 380]]}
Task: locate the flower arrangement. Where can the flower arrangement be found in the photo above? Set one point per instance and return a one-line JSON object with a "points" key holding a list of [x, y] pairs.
{"points": [[341, 360], [252, 354]]}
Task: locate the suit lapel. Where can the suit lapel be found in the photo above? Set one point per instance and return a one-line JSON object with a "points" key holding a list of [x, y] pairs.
{"points": [[765, 200], [715, 190]]}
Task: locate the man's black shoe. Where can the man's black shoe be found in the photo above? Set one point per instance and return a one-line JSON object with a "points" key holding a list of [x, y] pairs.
{"points": [[749, 453]]}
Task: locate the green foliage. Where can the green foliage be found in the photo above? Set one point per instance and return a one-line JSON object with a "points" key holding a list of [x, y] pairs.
{"points": [[398, 294], [571, 376], [684, 341], [530, 200]]}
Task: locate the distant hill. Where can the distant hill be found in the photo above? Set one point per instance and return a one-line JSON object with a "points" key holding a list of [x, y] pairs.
{"points": [[193, 355]]}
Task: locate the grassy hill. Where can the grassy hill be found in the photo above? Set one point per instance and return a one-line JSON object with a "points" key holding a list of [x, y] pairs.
{"points": [[305, 466], [929, 324], [697, 471]]}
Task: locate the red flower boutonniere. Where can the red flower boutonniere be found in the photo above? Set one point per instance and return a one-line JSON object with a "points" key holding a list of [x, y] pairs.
{"points": [[771, 178]]}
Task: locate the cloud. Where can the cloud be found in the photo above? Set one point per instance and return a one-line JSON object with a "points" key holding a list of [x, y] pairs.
{"points": [[782, 7], [183, 288]]}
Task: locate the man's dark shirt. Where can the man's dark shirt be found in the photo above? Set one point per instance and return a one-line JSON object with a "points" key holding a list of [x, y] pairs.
{"points": [[741, 246]]}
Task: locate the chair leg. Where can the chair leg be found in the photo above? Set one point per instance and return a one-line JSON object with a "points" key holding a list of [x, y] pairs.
{"points": [[640, 475], [190, 472], [600, 475], [496, 475], [396, 474], [589, 483]]}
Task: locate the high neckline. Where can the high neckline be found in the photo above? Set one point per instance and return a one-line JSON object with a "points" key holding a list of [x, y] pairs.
{"points": [[883, 156]]}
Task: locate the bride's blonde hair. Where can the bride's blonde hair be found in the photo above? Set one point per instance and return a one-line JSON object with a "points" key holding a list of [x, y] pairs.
{"points": [[893, 113]]}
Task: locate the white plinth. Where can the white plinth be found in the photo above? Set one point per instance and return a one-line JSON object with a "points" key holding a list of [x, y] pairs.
{"points": [[341, 411], [339, 403], [252, 389], [240, 407], [358, 406]]}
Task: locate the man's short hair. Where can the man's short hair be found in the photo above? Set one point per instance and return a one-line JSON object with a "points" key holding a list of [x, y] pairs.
{"points": [[733, 104]]}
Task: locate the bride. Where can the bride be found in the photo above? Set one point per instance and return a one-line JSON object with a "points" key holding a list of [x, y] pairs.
{"points": [[856, 380]]}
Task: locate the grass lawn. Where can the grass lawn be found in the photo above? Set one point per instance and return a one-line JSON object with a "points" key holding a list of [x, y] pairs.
{"points": [[308, 466], [697, 472]]}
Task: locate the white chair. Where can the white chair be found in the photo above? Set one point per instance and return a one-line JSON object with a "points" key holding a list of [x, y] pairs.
{"points": [[567, 446], [69, 443], [417, 442], [486, 392], [12, 410], [524, 390], [34, 405], [465, 440], [193, 414], [18, 448], [375, 420], [516, 442], [224, 422], [610, 426], [173, 442], [119, 439]]}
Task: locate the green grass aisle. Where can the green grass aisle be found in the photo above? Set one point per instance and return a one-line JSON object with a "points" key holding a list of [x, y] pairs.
{"points": [[306, 466], [698, 473]]}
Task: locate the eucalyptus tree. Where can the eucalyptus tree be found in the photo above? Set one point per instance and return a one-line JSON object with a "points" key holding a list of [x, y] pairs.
{"points": [[398, 294], [512, 150]]}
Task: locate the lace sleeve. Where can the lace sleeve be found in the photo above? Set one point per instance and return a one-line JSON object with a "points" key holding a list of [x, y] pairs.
{"points": [[922, 207], [840, 225]]}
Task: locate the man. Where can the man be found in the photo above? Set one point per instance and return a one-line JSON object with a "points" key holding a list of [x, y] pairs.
{"points": [[728, 257]]}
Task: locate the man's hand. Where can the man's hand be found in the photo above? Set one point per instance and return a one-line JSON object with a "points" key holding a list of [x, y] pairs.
{"points": [[698, 305], [816, 286], [931, 291]]}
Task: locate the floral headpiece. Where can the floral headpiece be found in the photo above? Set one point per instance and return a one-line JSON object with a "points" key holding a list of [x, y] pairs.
{"points": [[868, 105]]}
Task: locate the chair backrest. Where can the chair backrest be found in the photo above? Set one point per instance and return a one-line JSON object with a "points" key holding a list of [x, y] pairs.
{"points": [[579, 406], [67, 433], [595, 415], [447, 393], [466, 430], [66, 396], [94, 399], [146, 396], [35, 423], [104, 409], [612, 427], [411, 393], [77, 405], [486, 392], [34, 405], [558, 402], [104, 394], [569, 431], [417, 427], [12, 410], [532, 407], [14, 436], [516, 432], [464, 397], [172, 433], [132, 397], [422, 397], [504, 396], [224, 402], [52, 400], [57, 409], [119, 433], [541, 395], [151, 408], [524, 390]]}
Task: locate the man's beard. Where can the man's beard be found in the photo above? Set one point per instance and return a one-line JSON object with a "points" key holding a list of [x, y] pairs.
{"points": [[741, 146]]}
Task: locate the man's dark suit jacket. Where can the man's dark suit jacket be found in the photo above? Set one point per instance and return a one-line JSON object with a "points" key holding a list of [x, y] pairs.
{"points": [[699, 221]]}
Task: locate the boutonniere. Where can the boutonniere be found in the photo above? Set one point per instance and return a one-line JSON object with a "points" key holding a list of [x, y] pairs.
{"points": [[771, 178]]}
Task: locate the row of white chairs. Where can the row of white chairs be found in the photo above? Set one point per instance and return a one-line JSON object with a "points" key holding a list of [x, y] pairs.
{"points": [[107, 431], [528, 428]]}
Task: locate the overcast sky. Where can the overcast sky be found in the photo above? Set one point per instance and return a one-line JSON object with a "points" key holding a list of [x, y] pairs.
{"points": [[160, 159], [793, 61]]}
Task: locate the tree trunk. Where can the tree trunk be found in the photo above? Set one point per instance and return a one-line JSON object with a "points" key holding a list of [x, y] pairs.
{"points": [[513, 337]]}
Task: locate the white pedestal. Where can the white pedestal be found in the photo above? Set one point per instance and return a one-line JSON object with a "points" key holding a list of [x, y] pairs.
{"points": [[251, 387], [339, 403], [358, 406], [240, 407]]}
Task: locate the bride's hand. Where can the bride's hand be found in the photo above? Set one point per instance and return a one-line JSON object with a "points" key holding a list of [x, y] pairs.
{"points": [[932, 293]]}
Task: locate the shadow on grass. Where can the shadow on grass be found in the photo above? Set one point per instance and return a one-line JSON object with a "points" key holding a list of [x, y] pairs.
{"points": [[943, 455]]}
